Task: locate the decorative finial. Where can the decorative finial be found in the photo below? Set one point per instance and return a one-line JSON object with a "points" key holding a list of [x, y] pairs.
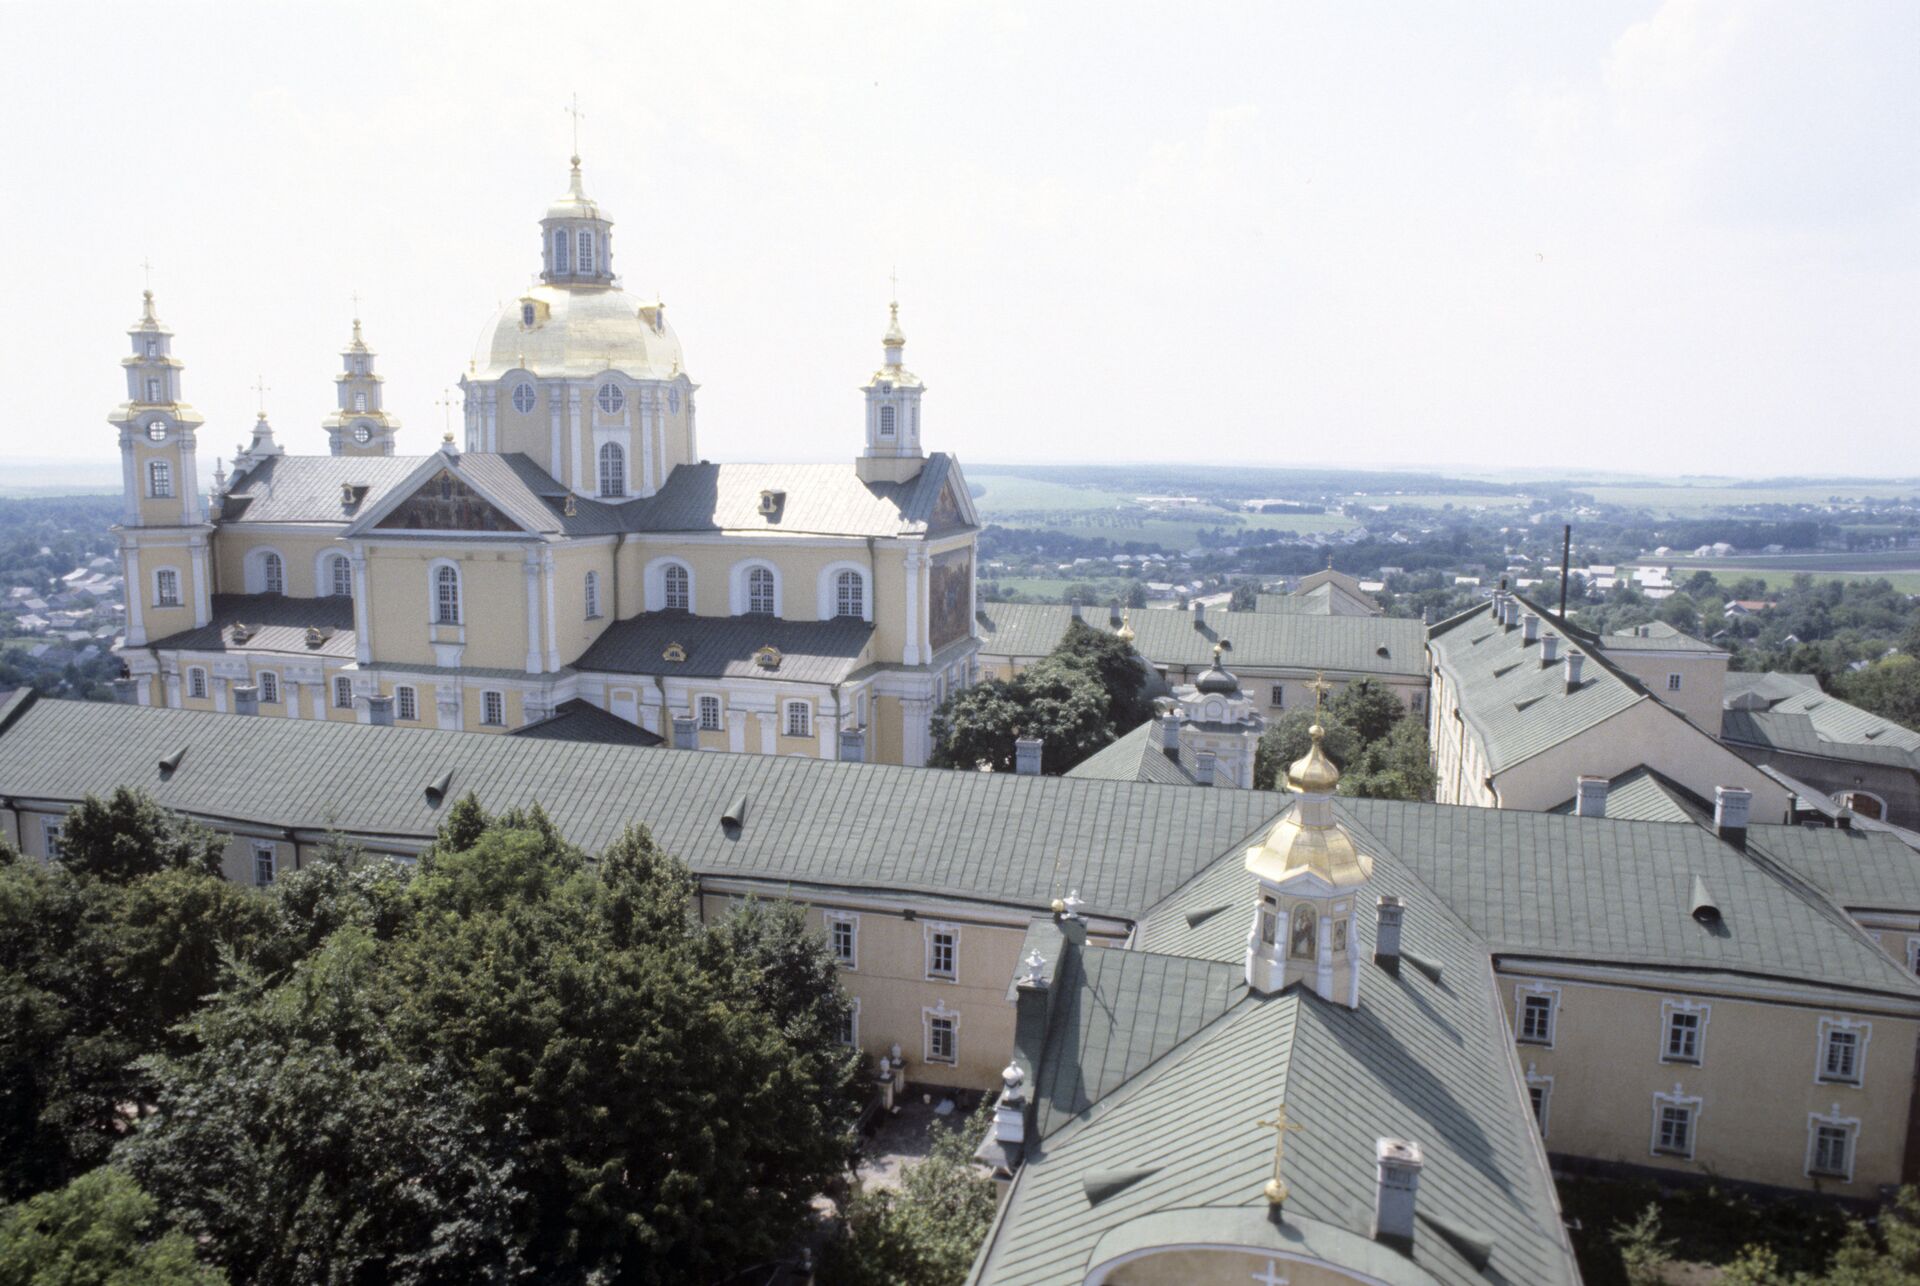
{"points": [[1319, 687], [1218, 648], [1125, 632], [1276, 1187], [1329, 560], [1073, 903], [445, 403], [573, 110], [1035, 962], [261, 389]]}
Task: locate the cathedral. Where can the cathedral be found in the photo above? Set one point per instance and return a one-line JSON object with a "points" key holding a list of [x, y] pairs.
{"points": [[572, 568]]}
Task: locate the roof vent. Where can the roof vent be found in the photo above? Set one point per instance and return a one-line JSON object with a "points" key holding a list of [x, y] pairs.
{"points": [[736, 814], [1702, 907], [1380, 650], [768, 657], [1101, 1184], [1549, 649], [1731, 807], [1392, 915], [1199, 917], [172, 761], [1590, 796], [437, 788]]}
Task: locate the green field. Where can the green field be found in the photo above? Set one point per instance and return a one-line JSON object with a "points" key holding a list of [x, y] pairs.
{"points": [[1776, 577], [1691, 502], [1100, 513], [1437, 500]]}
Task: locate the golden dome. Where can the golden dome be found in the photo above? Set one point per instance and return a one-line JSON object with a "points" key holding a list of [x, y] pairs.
{"points": [[1125, 632], [1298, 843], [1313, 773]]}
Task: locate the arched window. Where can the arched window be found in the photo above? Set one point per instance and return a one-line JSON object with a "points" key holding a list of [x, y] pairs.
{"points": [[359, 401], [886, 421], [586, 250], [526, 314], [849, 595], [270, 688], [340, 576], [160, 479], [153, 390], [523, 394], [197, 683], [560, 261], [446, 596], [593, 595], [760, 590], [679, 589], [273, 573], [612, 398], [613, 469]]}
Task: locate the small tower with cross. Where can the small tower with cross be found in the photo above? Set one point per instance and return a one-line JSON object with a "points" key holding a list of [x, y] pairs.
{"points": [[576, 234], [1309, 873], [360, 424], [893, 452]]}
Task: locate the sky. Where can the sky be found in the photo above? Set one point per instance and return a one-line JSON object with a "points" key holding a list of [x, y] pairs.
{"points": [[1665, 238]]}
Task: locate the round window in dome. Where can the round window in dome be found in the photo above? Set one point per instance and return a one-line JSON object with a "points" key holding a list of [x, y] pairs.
{"points": [[612, 399], [157, 430], [523, 397], [362, 434]]}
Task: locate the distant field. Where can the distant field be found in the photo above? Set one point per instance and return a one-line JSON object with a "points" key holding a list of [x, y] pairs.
{"points": [[1438, 500], [1098, 513], [1006, 493], [1905, 577], [1051, 590], [1694, 501]]}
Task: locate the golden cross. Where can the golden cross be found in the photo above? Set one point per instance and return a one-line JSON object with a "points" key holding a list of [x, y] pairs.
{"points": [[1319, 687], [1276, 1188], [445, 403], [574, 111], [261, 388]]}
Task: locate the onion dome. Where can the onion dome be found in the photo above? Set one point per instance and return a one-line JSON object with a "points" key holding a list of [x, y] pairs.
{"points": [[1313, 773], [1125, 632], [1216, 679]]}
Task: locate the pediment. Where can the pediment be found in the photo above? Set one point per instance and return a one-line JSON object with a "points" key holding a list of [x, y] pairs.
{"points": [[947, 510], [446, 503]]}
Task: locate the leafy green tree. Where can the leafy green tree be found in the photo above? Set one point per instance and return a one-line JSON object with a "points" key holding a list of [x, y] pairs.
{"points": [[128, 835], [1058, 699], [1892, 1258], [929, 1230], [1394, 767], [99, 1230], [1246, 596], [977, 725], [1286, 739], [1368, 707], [1120, 670], [1889, 688], [1136, 596], [1644, 1253]]}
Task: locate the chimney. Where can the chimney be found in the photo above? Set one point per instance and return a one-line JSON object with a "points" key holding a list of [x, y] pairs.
{"points": [[246, 698], [1026, 756], [1167, 735], [686, 733], [1574, 661], [1199, 615], [1203, 764], [1079, 612], [1549, 649], [1590, 797], [1842, 817], [853, 745], [1530, 628], [1386, 934], [1730, 807], [1114, 618], [1396, 1185], [380, 711]]}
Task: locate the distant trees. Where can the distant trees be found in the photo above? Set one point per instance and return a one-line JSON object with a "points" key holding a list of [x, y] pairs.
{"points": [[1246, 596], [1381, 750], [1889, 688]]}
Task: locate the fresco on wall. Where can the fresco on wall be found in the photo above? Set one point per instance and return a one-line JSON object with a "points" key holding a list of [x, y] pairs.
{"points": [[950, 597], [446, 504]]}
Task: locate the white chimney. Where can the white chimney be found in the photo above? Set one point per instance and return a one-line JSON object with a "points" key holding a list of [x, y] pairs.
{"points": [[1549, 649], [1026, 756], [1530, 627], [1389, 913], [1574, 661], [1590, 797], [1396, 1186], [1731, 806], [1203, 765], [380, 711]]}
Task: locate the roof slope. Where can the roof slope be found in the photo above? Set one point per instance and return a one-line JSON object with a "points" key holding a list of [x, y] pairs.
{"points": [[819, 499], [1643, 794], [1789, 712], [1133, 757], [724, 646], [274, 623], [583, 721], [1165, 636], [1657, 636], [307, 488]]}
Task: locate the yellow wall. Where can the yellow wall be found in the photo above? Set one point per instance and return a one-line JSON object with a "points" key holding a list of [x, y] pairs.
{"points": [[1703, 681], [571, 563], [493, 603], [298, 555]]}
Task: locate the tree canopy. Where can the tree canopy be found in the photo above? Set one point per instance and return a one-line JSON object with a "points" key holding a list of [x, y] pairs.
{"points": [[1076, 699]]}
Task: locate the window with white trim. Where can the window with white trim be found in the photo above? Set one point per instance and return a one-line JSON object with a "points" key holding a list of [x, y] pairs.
{"points": [[339, 576], [843, 936], [166, 588], [942, 1034], [523, 391], [850, 1023], [446, 595], [1540, 1098], [153, 389], [50, 838], [1674, 1121], [612, 398], [799, 719], [269, 688], [159, 480], [406, 704], [709, 708], [1843, 1051], [586, 250], [359, 401], [493, 709], [273, 573], [197, 683], [760, 590], [613, 469], [265, 862], [342, 693], [849, 595], [1673, 683], [527, 316], [153, 348], [1830, 1145], [593, 595], [1539, 1012], [1278, 697], [943, 952], [560, 260], [679, 588], [886, 422], [1683, 1037]]}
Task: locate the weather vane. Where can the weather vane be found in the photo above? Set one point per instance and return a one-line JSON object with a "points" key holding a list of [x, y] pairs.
{"points": [[1276, 1188]]}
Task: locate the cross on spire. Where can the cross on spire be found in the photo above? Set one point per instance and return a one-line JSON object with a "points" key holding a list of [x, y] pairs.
{"points": [[445, 403], [261, 388], [1319, 687], [146, 274], [893, 280], [356, 305], [573, 110], [1276, 1188]]}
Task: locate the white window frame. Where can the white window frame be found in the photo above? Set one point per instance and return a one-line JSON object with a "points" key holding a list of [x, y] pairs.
{"points": [[266, 857], [342, 686], [166, 587], [928, 1016], [797, 715], [562, 253], [1832, 1121], [1536, 990], [406, 703], [762, 591], [1673, 682], [591, 591], [258, 577], [197, 686], [159, 480], [1692, 1104], [1669, 1010], [701, 706], [1543, 1111], [850, 1035], [611, 470], [1835, 1025], [269, 688], [610, 398], [889, 422], [935, 929], [1277, 698], [332, 564], [359, 401], [493, 708], [683, 591], [153, 347], [434, 613], [153, 389], [50, 837], [585, 248], [847, 920], [655, 580], [829, 591], [523, 387], [273, 572]]}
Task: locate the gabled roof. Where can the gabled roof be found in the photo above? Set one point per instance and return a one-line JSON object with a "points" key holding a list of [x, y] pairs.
{"points": [[1789, 713], [1165, 636], [583, 721], [1643, 795], [726, 646], [1657, 636], [1133, 757], [818, 499], [274, 623], [307, 488]]}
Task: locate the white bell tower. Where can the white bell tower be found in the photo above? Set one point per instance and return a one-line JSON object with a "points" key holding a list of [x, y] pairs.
{"points": [[893, 452], [359, 425]]}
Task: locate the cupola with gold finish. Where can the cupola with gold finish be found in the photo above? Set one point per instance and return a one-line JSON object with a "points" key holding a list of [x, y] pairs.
{"points": [[1309, 870]]}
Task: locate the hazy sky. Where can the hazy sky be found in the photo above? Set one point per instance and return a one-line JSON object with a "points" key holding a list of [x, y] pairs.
{"points": [[1658, 237]]}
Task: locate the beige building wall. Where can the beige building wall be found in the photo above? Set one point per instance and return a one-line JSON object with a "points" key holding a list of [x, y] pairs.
{"points": [[493, 603], [1702, 677], [299, 556], [160, 621], [573, 630]]}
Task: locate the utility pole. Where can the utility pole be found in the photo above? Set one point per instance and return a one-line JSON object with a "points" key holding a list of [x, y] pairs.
{"points": [[1566, 560]]}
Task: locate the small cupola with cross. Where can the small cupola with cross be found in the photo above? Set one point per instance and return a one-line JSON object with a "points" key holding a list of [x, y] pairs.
{"points": [[360, 424], [893, 452]]}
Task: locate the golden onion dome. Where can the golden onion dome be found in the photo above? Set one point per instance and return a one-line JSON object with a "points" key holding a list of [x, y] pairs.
{"points": [[1125, 632], [1313, 773], [895, 337]]}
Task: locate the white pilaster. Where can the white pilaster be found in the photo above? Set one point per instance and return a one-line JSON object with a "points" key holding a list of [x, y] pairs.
{"points": [[219, 686], [362, 610], [556, 414], [916, 734], [553, 625], [914, 607], [135, 594], [769, 729], [579, 480], [736, 730], [533, 610]]}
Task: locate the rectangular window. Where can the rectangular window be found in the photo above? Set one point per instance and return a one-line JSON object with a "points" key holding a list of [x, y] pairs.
{"points": [[405, 704], [1840, 1061], [943, 1043], [270, 688], [1673, 1133], [343, 693], [1673, 683], [153, 390], [493, 709], [1536, 1019], [166, 588], [1538, 1095], [153, 348], [159, 480], [1683, 1037], [359, 401], [843, 935], [1832, 1151], [943, 945], [709, 714], [850, 1023], [50, 836], [197, 684], [264, 863], [799, 719], [1279, 697]]}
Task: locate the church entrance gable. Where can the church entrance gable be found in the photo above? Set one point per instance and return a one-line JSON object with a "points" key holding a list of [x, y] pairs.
{"points": [[446, 503]]}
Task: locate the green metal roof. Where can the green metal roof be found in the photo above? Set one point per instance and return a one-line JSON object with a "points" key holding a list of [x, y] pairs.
{"points": [[1168, 637], [1657, 636], [1133, 757], [725, 646], [1644, 795], [275, 623], [1798, 718]]}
